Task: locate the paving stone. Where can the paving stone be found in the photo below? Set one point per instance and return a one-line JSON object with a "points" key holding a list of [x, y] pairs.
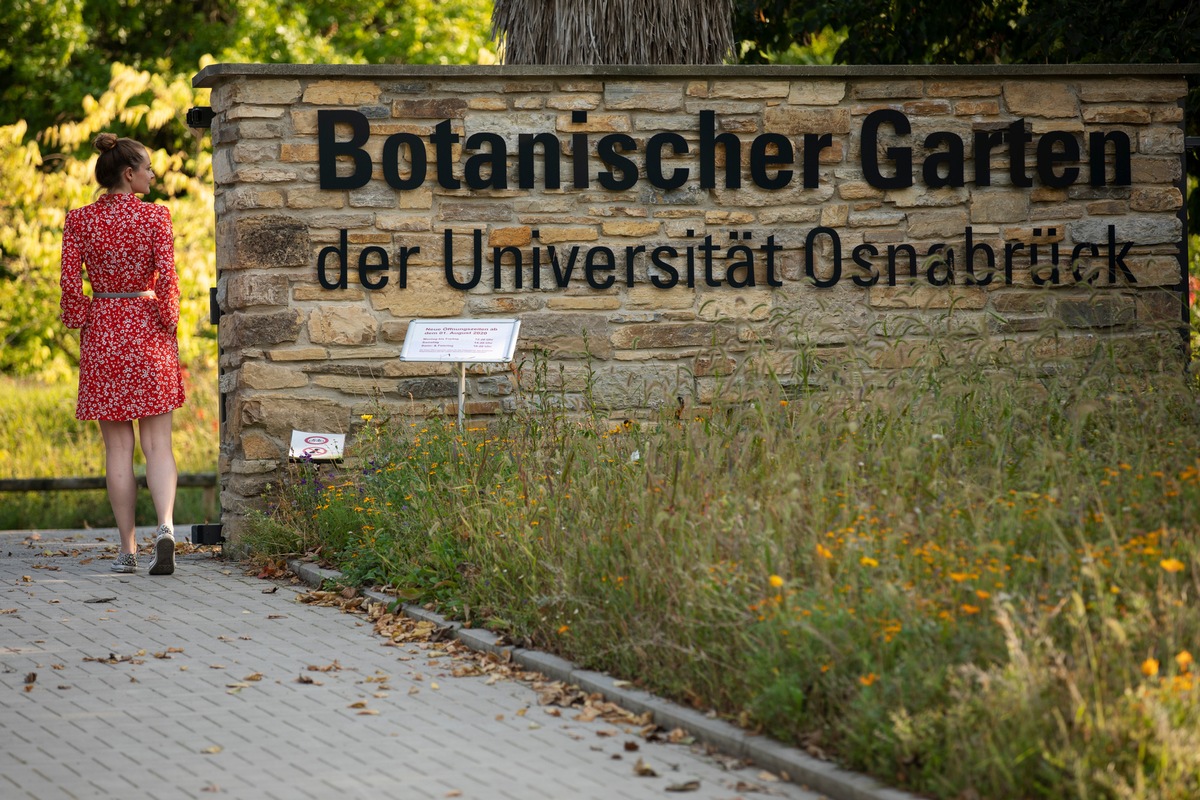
{"points": [[107, 736]]}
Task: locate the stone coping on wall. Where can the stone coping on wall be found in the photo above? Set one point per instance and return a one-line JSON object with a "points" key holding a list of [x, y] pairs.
{"points": [[213, 74]]}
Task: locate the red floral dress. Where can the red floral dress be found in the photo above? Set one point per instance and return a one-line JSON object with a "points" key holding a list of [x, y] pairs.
{"points": [[128, 351]]}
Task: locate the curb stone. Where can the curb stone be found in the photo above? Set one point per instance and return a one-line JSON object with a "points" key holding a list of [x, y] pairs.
{"points": [[798, 767]]}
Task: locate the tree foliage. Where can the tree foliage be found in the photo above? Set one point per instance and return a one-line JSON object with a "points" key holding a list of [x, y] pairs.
{"points": [[41, 179], [72, 68]]}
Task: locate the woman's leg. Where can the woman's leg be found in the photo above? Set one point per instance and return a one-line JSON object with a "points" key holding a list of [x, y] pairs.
{"points": [[161, 475], [118, 473]]}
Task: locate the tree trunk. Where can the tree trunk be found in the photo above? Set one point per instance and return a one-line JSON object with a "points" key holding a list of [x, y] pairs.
{"points": [[628, 32]]}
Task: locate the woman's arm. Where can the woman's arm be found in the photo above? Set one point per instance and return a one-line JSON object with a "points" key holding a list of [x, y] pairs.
{"points": [[75, 307]]}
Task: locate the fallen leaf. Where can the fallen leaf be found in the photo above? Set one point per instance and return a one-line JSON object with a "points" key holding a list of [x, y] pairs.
{"points": [[631, 746], [412, 690], [270, 590], [212, 751], [31, 677], [97, 599], [359, 704], [334, 667], [686, 786], [216, 666], [499, 718], [58, 666], [368, 712], [8, 610], [254, 676], [63, 686], [769, 777], [644, 770], [453, 793], [434, 686], [276, 616], [212, 787]]}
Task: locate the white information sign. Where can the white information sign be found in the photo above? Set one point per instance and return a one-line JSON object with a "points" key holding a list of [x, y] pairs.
{"points": [[317, 446], [466, 341]]}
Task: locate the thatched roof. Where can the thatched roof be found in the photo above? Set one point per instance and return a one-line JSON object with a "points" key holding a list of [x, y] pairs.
{"points": [[614, 31]]}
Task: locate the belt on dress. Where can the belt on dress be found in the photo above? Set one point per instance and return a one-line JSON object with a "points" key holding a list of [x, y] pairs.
{"points": [[121, 295]]}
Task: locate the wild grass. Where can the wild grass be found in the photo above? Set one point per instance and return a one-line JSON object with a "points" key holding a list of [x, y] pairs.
{"points": [[977, 579], [40, 437]]}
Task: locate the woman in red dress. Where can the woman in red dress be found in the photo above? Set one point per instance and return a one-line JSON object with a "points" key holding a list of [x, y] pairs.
{"points": [[128, 351]]}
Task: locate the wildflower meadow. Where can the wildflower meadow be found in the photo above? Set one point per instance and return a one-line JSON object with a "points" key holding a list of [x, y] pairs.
{"points": [[972, 578]]}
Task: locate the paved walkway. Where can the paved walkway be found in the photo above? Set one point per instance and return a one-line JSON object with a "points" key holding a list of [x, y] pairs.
{"points": [[128, 686]]}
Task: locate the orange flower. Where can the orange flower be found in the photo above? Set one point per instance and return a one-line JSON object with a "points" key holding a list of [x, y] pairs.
{"points": [[967, 608], [1171, 565], [823, 551], [1150, 667], [867, 561], [775, 581], [1184, 660], [868, 679], [563, 629]]}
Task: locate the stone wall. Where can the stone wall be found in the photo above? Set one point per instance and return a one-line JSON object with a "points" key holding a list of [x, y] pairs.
{"points": [[296, 354]]}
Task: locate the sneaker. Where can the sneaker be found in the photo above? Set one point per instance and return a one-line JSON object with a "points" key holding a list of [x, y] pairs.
{"points": [[163, 562], [126, 562]]}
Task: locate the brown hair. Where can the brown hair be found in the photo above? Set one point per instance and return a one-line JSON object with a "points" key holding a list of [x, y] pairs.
{"points": [[115, 155]]}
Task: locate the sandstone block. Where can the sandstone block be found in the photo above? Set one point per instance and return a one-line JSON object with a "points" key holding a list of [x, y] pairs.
{"points": [[244, 290], [1135, 90], [346, 325], [427, 295], [315, 198], [298, 354], [928, 297], [744, 90], [816, 93], [630, 228], [518, 236], [1098, 312], [584, 303], [739, 305], [886, 90], [667, 335], [257, 375], [429, 108], [791, 121], [553, 235], [998, 207], [257, 446], [259, 330], [270, 241], [279, 415], [1040, 99]]}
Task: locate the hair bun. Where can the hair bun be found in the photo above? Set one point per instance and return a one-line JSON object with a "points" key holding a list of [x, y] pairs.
{"points": [[105, 142]]}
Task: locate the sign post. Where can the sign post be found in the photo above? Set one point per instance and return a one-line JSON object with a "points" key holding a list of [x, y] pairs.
{"points": [[461, 341]]}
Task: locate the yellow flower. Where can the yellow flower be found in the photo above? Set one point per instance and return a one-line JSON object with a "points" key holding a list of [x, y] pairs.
{"points": [[368, 417], [868, 679], [823, 551], [775, 581], [867, 561], [982, 595], [1184, 660], [1150, 667], [1171, 565], [967, 608], [959, 577]]}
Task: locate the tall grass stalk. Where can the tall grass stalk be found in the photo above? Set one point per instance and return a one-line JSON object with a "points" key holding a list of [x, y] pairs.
{"points": [[971, 581], [40, 438]]}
